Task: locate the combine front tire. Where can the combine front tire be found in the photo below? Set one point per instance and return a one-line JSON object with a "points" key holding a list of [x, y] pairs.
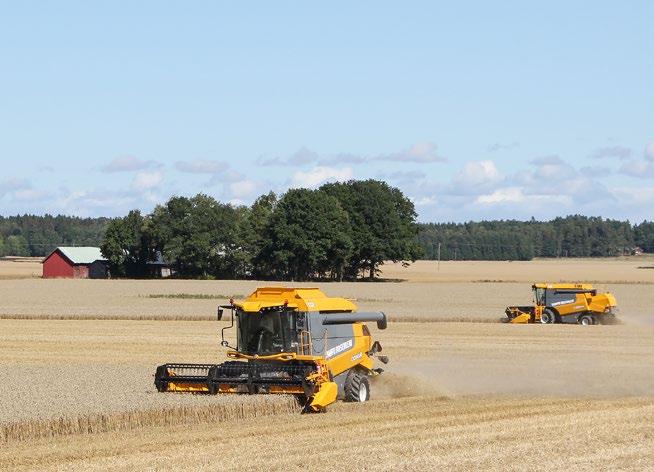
{"points": [[548, 317], [357, 387]]}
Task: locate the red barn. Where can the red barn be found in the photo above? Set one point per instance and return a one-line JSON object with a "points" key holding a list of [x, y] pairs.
{"points": [[75, 263]]}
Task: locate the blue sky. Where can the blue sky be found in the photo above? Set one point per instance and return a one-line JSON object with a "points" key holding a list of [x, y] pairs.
{"points": [[474, 109]]}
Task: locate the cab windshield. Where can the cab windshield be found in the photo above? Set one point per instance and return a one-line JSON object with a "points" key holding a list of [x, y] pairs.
{"points": [[268, 332], [539, 294]]}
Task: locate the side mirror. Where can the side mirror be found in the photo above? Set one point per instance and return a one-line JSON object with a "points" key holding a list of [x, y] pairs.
{"points": [[219, 314]]}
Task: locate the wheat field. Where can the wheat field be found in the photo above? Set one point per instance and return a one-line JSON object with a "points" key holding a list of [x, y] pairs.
{"points": [[461, 392]]}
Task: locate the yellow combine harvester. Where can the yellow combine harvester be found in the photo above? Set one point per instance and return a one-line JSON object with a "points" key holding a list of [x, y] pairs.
{"points": [[565, 303], [288, 341]]}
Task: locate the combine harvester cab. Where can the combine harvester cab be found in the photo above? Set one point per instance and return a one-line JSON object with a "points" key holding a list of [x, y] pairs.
{"points": [[565, 303], [289, 341]]}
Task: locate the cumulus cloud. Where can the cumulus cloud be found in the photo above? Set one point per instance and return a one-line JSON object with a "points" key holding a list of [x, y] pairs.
{"points": [[420, 153], [319, 175], [305, 156], [242, 189], [517, 195], [597, 171], [13, 184], [649, 151], [481, 191], [148, 180], [477, 174], [30, 194], [425, 201], [619, 152], [403, 177], [201, 166], [343, 158], [639, 168], [300, 157], [551, 167], [128, 164]]}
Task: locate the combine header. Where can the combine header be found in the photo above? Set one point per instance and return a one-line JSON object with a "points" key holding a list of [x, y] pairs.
{"points": [[565, 303], [288, 341]]}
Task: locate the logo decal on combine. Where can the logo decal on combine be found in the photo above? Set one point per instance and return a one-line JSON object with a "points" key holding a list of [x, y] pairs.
{"points": [[338, 349], [563, 302], [356, 356]]}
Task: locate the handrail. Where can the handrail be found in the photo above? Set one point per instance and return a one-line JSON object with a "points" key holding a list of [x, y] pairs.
{"points": [[282, 356]]}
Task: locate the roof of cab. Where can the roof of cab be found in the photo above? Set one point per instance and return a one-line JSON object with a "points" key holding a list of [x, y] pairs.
{"points": [[565, 286], [303, 298]]}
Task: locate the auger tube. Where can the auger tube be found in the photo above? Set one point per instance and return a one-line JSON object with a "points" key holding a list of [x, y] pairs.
{"points": [[348, 318]]}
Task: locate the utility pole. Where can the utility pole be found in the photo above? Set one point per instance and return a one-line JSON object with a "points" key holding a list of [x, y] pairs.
{"points": [[439, 257]]}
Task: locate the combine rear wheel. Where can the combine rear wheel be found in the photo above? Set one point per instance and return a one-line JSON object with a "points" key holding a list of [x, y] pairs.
{"points": [[357, 387]]}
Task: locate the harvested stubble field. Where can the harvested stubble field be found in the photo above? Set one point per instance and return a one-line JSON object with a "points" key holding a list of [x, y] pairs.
{"points": [[77, 393]]}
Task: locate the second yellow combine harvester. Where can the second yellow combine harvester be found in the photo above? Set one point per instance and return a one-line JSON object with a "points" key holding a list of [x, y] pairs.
{"points": [[289, 341], [565, 303]]}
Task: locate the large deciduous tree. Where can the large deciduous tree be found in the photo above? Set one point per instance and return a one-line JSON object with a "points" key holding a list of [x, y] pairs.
{"points": [[308, 236], [127, 245], [382, 224], [197, 235]]}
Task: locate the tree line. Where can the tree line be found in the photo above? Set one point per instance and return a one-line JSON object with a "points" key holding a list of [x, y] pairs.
{"points": [[339, 231], [38, 236], [572, 236]]}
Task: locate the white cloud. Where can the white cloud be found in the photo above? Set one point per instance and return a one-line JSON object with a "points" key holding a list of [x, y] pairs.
{"points": [[128, 164], [305, 156], [13, 184], [201, 166], [426, 201], [300, 157], [242, 188], [425, 152], [619, 152], [147, 180], [409, 177], [30, 195], [343, 158], [477, 174], [320, 175], [649, 151], [551, 167], [639, 168], [502, 195]]}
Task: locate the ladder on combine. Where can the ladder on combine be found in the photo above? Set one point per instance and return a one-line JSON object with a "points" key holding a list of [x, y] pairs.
{"points": [[305, 347]]}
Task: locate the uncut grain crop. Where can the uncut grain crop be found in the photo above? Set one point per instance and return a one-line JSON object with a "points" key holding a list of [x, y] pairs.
{"points": [[198, 410], [456, 292], [20, 267]]}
